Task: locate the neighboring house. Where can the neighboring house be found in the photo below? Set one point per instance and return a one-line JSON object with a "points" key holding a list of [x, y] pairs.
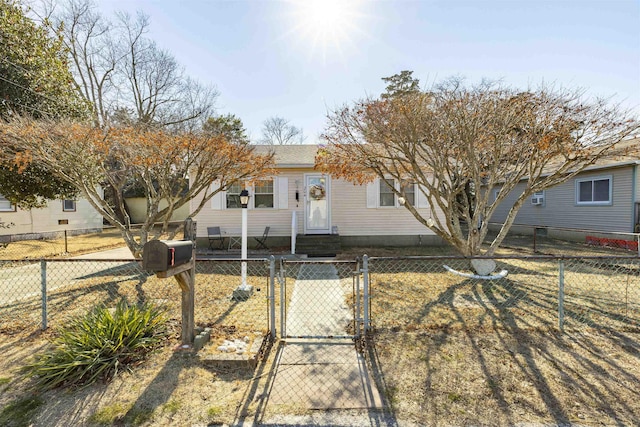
{"points": [[137, 208], [59, 215], [604, 197], [304, 203]]}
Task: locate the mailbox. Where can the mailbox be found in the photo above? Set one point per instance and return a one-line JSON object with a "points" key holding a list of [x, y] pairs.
{"points": [[161, 255]]}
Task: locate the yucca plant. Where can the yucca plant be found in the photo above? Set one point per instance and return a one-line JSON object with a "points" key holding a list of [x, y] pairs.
{"points": [[99, 344]]}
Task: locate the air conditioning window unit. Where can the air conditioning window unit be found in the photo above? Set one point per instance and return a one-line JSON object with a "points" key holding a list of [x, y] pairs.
{"points": [[537, 200]]}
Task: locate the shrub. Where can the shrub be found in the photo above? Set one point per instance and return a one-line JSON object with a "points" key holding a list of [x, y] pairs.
{"points": [[99, 344]]}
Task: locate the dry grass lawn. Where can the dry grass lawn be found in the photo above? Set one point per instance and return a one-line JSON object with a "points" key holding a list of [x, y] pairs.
{"points": [[456, 351], [446, 350], [173, 387], [76, 245]]}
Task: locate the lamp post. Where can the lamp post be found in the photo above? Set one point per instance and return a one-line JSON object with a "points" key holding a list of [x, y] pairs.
{"points": [[244, 201], [243, 292]]}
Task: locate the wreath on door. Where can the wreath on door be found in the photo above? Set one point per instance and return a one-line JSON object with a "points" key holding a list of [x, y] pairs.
{"points": [[317, 192]]}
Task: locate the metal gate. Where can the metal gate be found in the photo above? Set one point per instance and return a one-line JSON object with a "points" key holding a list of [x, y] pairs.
{"points": [[322, 299]]}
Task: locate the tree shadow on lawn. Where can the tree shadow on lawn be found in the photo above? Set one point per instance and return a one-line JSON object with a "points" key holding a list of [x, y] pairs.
{"points": [[507, 338], [78, 297]]}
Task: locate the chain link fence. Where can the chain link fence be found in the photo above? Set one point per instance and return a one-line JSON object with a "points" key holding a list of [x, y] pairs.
{"points": [[327, 299], [62, 243], [46, 293], [320, 299], [537, 293], [543, 240], [320, 319], [56, 243]]}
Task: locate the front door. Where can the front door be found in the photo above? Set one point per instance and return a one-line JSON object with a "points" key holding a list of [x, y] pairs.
{"points": [[317, 207]]}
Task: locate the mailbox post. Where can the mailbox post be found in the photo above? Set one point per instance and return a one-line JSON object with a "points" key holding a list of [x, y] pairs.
{"points": [[177, 258]]}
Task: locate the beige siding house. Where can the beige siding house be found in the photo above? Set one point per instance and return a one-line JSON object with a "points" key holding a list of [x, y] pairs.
{"points": [[605, 197], [300, 201], [76, 216]]}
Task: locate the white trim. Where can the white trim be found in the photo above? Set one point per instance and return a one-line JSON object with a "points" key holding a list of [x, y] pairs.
{"points": [[64, 207], [12, 207], [608, 202], [280, 195], [422, 200], [283, 192], [372, 194], [395, 199], [274, 195], [219, 198]]}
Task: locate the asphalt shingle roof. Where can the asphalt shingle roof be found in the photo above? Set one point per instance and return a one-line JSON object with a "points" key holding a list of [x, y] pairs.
{"points": [[295, 155]]}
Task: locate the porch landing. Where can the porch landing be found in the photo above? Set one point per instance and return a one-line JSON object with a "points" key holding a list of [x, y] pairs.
{"points": [[316, 245]]}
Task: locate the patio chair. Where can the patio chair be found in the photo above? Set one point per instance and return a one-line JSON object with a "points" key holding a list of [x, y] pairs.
{"points": [[215, 236], [262, 241]]}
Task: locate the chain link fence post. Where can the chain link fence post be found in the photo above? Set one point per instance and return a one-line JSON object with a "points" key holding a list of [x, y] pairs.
{"points": [[365, 301], [43, 285], [272, 297], [357, 317], [283, 299], [561, 295]]}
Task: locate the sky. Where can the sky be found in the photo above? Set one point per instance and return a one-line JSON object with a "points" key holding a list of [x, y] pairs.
{"points": [[302, 59]]}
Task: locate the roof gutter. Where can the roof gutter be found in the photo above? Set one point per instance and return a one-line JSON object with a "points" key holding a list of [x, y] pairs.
{"points": [[294, 165], [633, 163]]}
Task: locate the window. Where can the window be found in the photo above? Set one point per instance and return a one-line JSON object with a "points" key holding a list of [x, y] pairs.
{"points": [[537, 199], [68, 205], [594, 191], [263, 194], [387, 197], [5, 205], [409, 189], [233, 196]]}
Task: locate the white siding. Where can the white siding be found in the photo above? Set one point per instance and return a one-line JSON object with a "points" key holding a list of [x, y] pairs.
{"points": [[637, 172], [353, 218], [46, 219], [560, 208], [279, 219], [349, 212]]}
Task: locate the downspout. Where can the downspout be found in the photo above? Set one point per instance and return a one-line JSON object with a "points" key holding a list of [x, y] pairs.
{"points": [[634, 200], [635, 214]]}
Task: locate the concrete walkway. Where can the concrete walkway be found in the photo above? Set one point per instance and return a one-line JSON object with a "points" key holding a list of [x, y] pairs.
{"points": [[321, 373], [318, 304], [118, 253]]}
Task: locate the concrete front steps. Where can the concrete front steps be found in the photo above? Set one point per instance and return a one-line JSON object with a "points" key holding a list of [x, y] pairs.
{"points": [[318, 245]]}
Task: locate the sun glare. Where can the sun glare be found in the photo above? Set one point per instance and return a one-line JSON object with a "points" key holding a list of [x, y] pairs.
{"points": [[326, 26]]}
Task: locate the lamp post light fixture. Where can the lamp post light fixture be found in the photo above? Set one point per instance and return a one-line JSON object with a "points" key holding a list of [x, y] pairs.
{"points": [[244, 198]]}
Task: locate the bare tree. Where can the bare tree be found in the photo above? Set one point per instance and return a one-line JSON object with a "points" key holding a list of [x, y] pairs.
{"points": [[486, 137], [278, 131], [119, 69]]}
